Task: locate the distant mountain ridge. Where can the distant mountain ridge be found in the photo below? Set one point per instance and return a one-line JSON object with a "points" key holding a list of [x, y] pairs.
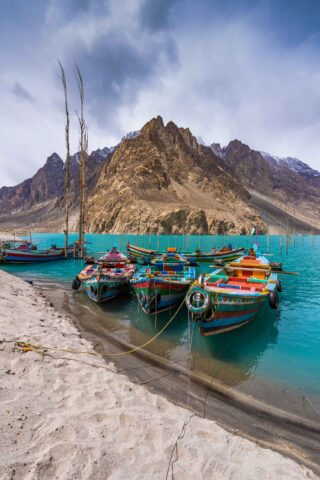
{"points": [[285, 183], [292, 163], [38, 200], [161, 179]]}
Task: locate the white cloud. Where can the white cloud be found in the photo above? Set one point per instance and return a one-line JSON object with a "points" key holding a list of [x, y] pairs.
{"points": [[232, 82], [225, 79]]}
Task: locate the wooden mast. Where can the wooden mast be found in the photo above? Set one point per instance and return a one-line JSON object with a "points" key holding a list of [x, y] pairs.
{"points": [[82, 163], [67, 164]]}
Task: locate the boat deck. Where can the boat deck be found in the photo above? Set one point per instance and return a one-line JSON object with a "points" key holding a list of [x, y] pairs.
{"points": [[249, 284]]}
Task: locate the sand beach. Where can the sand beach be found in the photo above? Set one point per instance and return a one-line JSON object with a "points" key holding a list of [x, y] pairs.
{"points": [[66, 416]]}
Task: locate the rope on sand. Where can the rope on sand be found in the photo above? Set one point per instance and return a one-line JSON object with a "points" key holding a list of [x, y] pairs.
{"points": [[29, 347]]}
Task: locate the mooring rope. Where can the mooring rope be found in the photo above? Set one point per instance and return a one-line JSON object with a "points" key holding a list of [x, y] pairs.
{"points": [[28, 347]]}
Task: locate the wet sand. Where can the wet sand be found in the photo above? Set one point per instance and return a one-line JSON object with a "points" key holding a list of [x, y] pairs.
{"points": [[297, 440]]}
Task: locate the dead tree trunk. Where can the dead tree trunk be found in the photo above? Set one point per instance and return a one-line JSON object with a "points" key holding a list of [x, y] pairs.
{"points": [[67, 164], [82, 163]]}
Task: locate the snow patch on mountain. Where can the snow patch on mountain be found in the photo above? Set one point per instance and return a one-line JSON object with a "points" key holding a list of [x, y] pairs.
{"points": [[218, 150], [101, 152], [294, 164], [201, 141]]}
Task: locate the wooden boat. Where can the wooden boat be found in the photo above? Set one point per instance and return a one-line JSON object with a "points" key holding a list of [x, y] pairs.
{"points": [[27, 252], [107, 282], [107, 278], [163, 285], [225, 254], [232, 296], [113, 256], [142, 255]]}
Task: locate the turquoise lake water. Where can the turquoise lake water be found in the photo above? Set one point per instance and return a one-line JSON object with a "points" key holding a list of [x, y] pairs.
{"points": [[281, 346]]}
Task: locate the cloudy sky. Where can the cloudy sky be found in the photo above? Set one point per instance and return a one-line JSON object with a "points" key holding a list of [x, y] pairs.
{"points": [[246, 69]]}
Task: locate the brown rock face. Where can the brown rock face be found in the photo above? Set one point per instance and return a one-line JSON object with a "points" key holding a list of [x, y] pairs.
{"points": [[163, 181]]}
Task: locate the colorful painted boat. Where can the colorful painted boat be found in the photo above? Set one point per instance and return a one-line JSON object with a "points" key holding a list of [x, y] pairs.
{"points": [[226, 254], [107, 282], [232, 296], [163, 285], [16, 255], [27, 252], [105, 279], [110, 256], [142, 255]]}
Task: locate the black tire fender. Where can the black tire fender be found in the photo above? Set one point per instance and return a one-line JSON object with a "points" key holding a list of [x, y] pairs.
{"points": [[273, 299]]}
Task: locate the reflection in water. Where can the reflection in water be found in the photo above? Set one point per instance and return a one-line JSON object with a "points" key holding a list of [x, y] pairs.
{"points": [[248, 342], [233, 356], [229, 357]]}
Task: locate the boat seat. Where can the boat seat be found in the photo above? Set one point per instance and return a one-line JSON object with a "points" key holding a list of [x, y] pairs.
{"points": [[238, 279], [226, 285], [171, 268], [257, 280]]}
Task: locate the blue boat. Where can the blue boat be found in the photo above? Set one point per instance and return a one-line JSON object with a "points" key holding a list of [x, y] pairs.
{"points": [[164, 284]]}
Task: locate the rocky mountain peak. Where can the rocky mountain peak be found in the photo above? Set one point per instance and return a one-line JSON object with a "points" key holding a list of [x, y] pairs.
{"points": [[239, 147], [154, 125], [54, 161], [163, 181], [189, 139]]}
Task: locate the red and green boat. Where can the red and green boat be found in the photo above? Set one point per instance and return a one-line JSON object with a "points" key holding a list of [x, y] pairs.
{"points": [[164, 284]]}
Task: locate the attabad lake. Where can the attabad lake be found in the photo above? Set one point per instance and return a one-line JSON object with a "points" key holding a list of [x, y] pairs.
{"points": [[274, 358]]}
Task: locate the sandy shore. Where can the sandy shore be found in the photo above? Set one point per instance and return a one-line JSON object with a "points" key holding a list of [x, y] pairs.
{"points": [[65, 419], [5, 237]]}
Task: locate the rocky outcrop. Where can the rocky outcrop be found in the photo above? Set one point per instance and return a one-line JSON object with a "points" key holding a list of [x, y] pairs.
{"points": [[164, 181]]}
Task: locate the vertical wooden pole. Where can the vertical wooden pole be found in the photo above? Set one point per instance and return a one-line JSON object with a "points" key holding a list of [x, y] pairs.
{"points": [[67, 164], [82, 163]]}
